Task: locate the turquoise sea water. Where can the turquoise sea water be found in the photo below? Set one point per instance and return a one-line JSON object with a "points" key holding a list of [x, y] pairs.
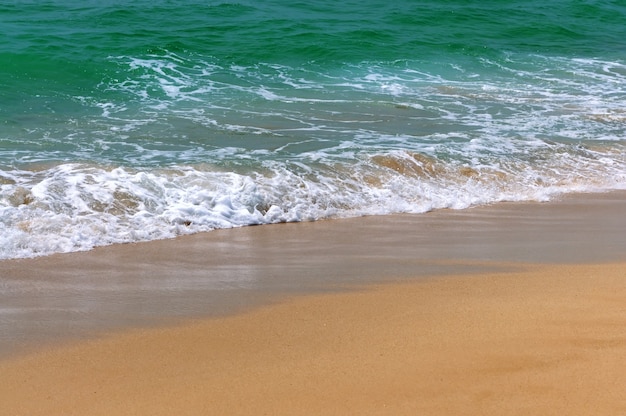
{"points": [[129, 121]]}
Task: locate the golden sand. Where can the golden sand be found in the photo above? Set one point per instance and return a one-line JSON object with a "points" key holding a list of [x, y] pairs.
{"points": [[539, 340]]}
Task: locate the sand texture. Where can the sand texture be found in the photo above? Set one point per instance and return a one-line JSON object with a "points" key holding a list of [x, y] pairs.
{"points": [[547, 340]]}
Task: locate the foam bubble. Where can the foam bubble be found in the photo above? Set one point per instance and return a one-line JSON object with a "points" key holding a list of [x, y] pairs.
{"points": [[73, 207]]}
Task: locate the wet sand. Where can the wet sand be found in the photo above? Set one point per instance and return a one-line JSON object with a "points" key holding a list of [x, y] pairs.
{"points": [[510, 309]]}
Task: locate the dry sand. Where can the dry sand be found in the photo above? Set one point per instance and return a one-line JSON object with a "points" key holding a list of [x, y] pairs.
{"points": [[487, 333], [548, 340]]}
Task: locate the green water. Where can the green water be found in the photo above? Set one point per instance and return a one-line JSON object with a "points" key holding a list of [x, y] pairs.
{"points": [[146, 115]]}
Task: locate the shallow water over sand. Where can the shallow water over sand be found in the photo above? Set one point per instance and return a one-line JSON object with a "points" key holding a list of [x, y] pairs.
{"points": [[53, 298]]}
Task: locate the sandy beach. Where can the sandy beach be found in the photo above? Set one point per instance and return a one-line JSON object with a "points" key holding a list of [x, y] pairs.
{"points": [[509, 309]]}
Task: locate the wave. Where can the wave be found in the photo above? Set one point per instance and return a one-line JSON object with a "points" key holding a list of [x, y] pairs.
{"points": [[172, 142], [72, 207]]}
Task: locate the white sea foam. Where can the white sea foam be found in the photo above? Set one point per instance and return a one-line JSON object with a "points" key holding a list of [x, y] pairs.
{"points": [[73, 207]]}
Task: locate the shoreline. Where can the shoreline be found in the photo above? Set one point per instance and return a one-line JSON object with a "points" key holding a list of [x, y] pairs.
{"points": [[64, 297]]}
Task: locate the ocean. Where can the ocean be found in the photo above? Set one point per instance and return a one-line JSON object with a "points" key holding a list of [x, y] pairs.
{"points": [[133, 121]]}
